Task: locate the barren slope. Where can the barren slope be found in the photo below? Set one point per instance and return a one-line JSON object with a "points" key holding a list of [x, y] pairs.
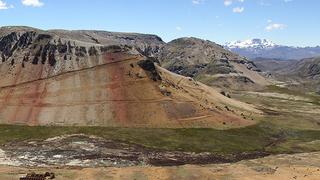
{"points": [[48, 79]]}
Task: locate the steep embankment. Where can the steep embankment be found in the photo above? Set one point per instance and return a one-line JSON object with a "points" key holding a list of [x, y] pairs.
{"points": [[210, 63], [62, 78]]}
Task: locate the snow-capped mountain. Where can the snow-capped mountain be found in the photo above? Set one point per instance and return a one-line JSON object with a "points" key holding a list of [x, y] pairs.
{"points": [[251, 43], [263, 48]]}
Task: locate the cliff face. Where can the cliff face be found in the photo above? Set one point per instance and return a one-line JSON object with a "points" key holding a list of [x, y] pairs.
{"points": [[56, 52], [62, 78], [146, 44]]}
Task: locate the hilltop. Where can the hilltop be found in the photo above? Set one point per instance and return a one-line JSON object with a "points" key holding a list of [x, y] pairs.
{"points": [[211, 64]]}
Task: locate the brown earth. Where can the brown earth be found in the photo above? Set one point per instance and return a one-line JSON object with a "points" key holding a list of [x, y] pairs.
{"points": [[82, 83], [109, 93]]}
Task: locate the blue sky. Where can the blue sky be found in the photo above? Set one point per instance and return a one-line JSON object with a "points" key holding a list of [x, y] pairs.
{"points": [[288, 22]]}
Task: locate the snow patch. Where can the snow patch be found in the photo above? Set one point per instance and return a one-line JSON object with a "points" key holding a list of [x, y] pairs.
{"points": [[251, 43]]}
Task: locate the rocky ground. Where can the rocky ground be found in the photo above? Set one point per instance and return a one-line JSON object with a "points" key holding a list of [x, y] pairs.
{"points": [[89, 151], [299, 166]]}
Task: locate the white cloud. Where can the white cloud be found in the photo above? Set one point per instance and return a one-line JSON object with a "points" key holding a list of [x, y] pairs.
{"points": [[197, 1], [238, 9], [287, 1], [34, 3], [227, 2], [178, 28], [275, 26], [3, 5], [269, 21]]}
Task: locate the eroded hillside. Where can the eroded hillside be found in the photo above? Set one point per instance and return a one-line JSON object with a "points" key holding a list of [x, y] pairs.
{"points": [[211, 64], [79, 78]]}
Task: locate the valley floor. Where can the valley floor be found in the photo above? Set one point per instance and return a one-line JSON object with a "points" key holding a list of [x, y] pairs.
{"points": [[298, 166], [290, 125]]}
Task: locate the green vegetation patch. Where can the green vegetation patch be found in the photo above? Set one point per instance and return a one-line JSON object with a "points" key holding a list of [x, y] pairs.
{"points": [[261, 137], [315, 99]]}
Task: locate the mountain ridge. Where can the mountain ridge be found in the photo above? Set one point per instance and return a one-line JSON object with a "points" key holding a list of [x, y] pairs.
{"points": [[251, 43], [262, 48]]}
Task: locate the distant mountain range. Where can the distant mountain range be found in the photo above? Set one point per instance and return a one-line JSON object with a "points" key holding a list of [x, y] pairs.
{"points": [[263, 48]]}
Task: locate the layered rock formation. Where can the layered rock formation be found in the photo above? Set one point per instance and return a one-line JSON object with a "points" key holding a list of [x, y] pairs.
{"points": [[77, 78]]}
